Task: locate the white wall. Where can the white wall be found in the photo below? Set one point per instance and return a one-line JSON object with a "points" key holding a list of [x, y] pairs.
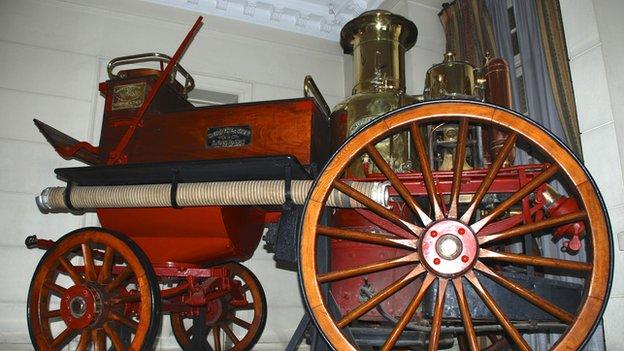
{"points": [[51, 59], [595, 33]]}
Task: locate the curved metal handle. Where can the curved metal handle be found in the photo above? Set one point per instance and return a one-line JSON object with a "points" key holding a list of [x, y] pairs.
{"points": [[189, 83], [311, 90]]}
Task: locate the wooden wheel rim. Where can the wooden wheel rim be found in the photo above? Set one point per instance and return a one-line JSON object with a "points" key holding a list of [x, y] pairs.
{"points": [[598, 281], [134, 258], [259, 309]]}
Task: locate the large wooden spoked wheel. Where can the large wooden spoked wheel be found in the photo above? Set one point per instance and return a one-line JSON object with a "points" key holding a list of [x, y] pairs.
{"points": [[237, 327], [96, 290], [446, 247]]}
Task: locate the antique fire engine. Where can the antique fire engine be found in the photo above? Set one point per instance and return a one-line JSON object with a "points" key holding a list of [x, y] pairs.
{"points": [[408, 218]]}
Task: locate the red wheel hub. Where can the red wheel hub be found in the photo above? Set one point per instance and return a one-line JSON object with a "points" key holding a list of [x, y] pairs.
{"points": [[448, 248], [80, 306]]}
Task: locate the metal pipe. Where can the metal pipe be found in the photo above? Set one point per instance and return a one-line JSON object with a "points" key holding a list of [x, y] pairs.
{"points": [[238, 193]]}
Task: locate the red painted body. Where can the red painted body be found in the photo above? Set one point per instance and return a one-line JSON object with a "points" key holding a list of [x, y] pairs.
{"points": [[194, 235]]}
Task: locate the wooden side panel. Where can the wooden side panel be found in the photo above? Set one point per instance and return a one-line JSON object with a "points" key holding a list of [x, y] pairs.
{"points": [[286, 127]]}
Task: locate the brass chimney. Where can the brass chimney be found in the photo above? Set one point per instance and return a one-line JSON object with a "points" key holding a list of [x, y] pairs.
{"points": [[378, 41]]}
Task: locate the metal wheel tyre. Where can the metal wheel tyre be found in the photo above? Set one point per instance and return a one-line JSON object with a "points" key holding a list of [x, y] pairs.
{"points": [[97, 290], [238, 327], [444, 246]]}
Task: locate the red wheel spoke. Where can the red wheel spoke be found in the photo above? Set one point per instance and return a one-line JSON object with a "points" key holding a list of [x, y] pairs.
{"points": [[107, 265], [379, 297], [489, 178], [397, 183], [216, 336], [128, 322], [63, 338], [115, 339], [471, 336], [85, 340], [498, 312], [230, 333], [247, 307], [370, 238], [534, 227], [89, 265], [70, 269], [425, 168], [408, 314], [239, 322], [53, 314], [436, 324], [99, 341], [533, 298], [59, 290], [517, 196], [375, 207], [535, 260], [125, 299], [458, 167], [368, 268], [120, 279]]}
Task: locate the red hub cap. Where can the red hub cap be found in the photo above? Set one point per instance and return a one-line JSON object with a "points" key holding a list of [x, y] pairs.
{"points": [[80, 306], [448, 248]]}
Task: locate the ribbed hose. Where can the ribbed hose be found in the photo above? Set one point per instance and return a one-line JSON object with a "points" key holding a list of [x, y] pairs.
{"points": [[255, 192]]}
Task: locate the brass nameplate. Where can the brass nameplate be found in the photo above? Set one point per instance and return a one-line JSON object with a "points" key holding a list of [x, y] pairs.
{"points": [[128, 96], [231, 136]]}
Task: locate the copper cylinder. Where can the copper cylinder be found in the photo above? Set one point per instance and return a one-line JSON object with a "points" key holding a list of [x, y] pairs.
{"points": [[498, 92]]}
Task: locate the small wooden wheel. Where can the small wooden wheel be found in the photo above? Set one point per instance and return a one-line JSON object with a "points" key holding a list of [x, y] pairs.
{"points": [[238, 321], [443, 244], [97, 290]]}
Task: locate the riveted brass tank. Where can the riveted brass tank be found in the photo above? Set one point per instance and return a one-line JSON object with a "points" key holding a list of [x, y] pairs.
{"points": [[378, 41]]}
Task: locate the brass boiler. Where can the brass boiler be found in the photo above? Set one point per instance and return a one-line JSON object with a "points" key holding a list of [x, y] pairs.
{"points": [[454, 79], [378, 41]]}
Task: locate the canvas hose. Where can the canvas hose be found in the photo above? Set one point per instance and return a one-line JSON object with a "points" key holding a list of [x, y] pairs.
{"points": [[237, 193]]}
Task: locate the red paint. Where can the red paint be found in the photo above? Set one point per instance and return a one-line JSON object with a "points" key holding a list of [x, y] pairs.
{"points": [[436, 261], [461, 231], [192, 235]]}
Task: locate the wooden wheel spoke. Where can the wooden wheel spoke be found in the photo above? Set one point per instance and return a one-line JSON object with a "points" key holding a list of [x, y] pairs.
{"points": [[368, 268], [89, 264], [128, 322], [534, 227], [375, 207], [497, 312], [458, 167], [99, 340], [408, 314], [438, 313], [517, 196], [85, 340], [125, 299], [398, 185], [425, 168], [71, 271], [114, 337], [53, 314], [489, 178], [55, 288], [247, 307], [239, 322], [535, 260], [471, 335], [120, 279], [216, 336], [380, 297], [230, 334], [107, 265], [528, 295], [63, 338], [369, 238]]}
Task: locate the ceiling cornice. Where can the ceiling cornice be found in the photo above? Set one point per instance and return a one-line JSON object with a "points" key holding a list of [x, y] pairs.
{"points": [[318, 18]]}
